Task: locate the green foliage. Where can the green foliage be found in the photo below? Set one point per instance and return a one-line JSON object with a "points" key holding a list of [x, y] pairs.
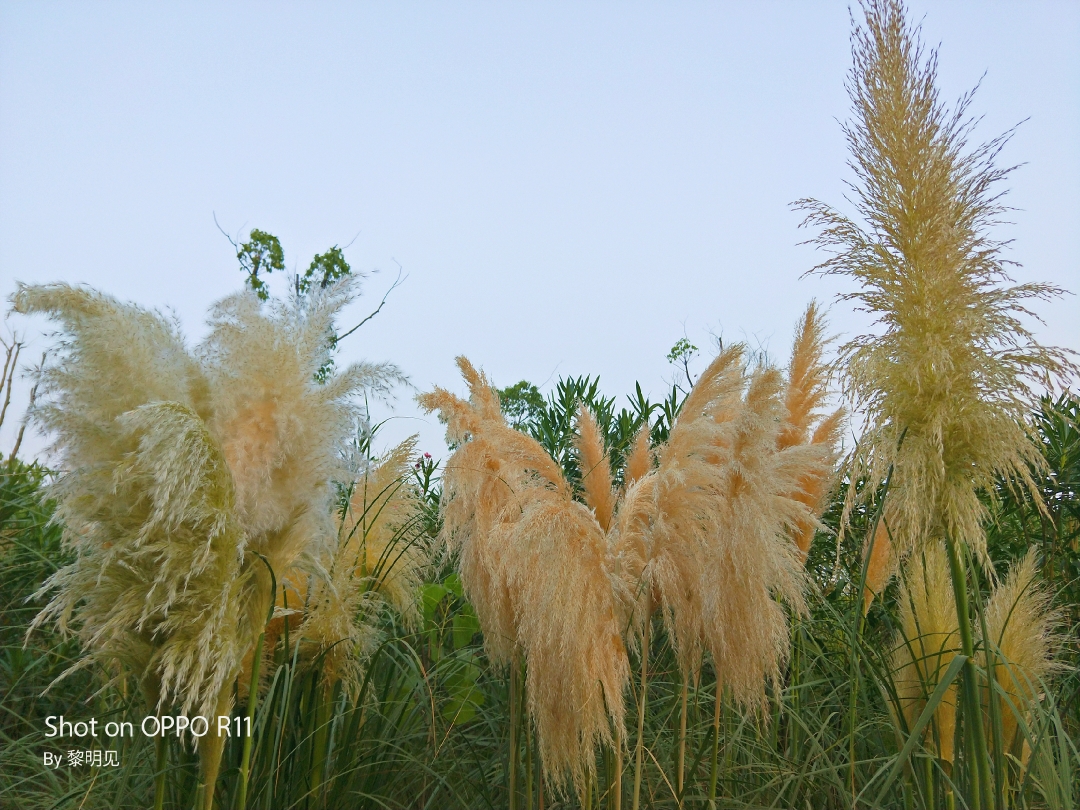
{"points": [[31, 551], [680, 356], [522, 404], [552, 421], [262, 253], [324, 270], [1019, 524], [682, 352]]}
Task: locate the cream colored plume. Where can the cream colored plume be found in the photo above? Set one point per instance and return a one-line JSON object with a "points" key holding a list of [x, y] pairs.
{"points": [[281, 431], [670, 518], [1022, 629], [709, 527], [182, 472], [947, 379], [533, 562], [379, 560], [569, 629], [928, 641], [754, 564]]}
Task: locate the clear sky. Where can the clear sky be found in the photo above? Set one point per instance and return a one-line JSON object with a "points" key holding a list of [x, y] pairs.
{"points": [[570, 187]]}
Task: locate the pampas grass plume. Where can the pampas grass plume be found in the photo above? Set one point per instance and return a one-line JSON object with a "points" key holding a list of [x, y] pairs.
{"points": [[928, 640], [1022, 628], [952, 368]]}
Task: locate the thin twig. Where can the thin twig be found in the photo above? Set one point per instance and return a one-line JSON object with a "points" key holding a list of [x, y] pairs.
{"points": [[397, 281], [223, 232]]}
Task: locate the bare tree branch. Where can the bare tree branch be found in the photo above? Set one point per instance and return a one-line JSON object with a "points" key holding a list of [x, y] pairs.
{"points": [[223, 232], [397, 281], [346, 247]]}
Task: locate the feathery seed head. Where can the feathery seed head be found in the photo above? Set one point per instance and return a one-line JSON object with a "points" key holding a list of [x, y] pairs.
{"points": [[928, 640], [596, 480], [183, 473], [1023, 633], [881, 565], [804, 396], [952, 368], [534, 563], [639, 461]]}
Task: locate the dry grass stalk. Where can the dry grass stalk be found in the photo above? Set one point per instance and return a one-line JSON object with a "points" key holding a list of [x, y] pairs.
{"points": [[952, 368], [928, 640]]}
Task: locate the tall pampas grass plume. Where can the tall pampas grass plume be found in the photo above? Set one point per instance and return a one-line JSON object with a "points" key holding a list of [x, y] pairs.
{"points": [[951, 368]]}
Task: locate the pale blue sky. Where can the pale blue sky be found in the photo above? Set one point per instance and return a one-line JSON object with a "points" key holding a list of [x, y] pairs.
{"points": [[570, 187]]}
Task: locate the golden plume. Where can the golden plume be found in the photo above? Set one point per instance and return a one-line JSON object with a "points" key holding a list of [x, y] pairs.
{"points": [[596, 481], [951, 368], [928, 640], [639, 461], [805, 395], [881, 565], [533, 562], [1021, 627]]}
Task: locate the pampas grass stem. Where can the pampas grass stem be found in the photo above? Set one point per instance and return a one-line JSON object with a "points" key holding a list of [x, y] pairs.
{"points": [[539, 784], [996, 732], [245, 761], [159, 772], [972, 707], [717, 704], [515, 711], [528, 768], [681, 766], [642, 702], [618, 771]]}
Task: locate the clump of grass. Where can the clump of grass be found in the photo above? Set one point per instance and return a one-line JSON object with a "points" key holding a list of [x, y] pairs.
{"points": [[379, 560]]}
